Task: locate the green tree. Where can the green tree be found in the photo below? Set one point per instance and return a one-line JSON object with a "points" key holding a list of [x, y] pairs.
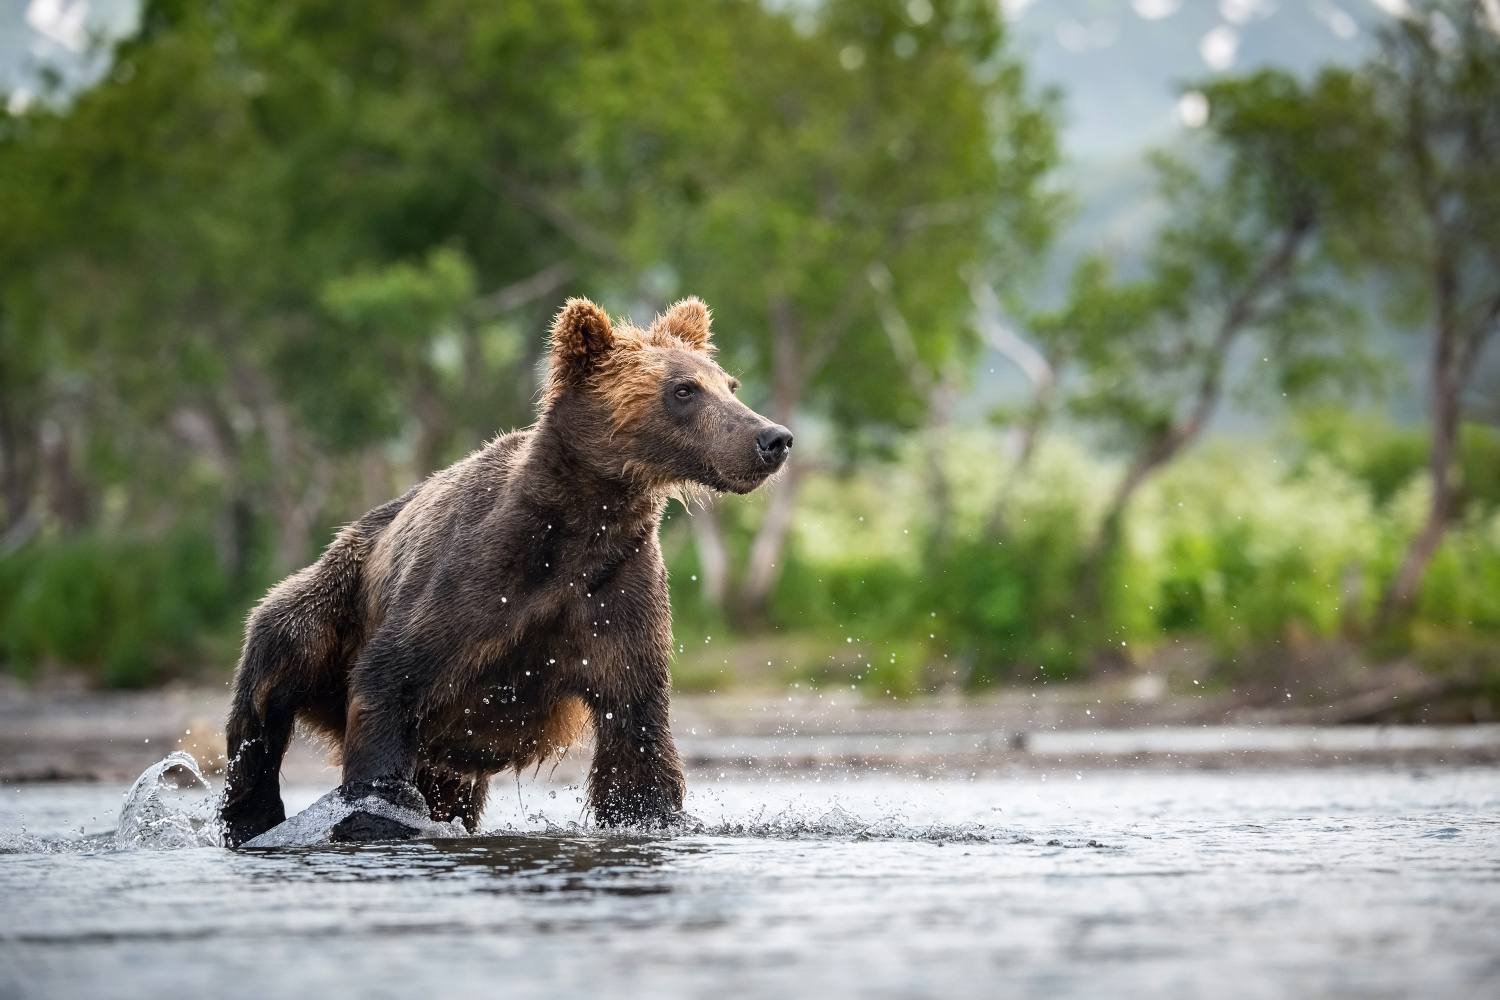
{"points": [[190, 236], [815, 174], [1437, 85], [1251, 256]]}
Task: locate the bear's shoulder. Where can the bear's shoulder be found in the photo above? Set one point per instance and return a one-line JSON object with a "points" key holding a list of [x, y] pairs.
{"points": [[506, 445], [460, 489]]}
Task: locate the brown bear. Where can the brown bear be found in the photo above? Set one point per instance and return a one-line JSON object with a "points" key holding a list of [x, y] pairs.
{"points": [[499, 609]]}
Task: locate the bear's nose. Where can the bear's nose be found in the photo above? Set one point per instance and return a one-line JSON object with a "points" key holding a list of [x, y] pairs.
{"points": [[773, 443]]}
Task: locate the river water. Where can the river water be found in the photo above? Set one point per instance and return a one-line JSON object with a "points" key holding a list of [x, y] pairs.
{"points": [[1105, 883]]}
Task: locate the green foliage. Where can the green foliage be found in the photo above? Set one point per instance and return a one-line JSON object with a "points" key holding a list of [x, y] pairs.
{"points": [[1254, 247], [1381, 455], [137, 611], [1386, 457], [974, 607], [1234, 547], [1461, 591], [1238, 546], [398, 320], [291, 256], [802, 171], [1479, 458]]}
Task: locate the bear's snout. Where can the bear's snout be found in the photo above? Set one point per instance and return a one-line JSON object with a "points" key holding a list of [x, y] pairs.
{"points": [[773, 443]]}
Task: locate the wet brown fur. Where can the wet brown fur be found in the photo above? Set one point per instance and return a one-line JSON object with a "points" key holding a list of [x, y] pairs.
{"points": [[513, 602]]}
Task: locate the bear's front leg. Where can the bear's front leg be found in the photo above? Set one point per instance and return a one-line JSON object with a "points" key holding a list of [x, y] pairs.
{"points": [[636, 778], [381, 742]]}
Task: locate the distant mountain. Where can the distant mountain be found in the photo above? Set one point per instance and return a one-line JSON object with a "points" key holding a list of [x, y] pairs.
{"points": [[1122, 66], [67, 40], [1120, 62]]}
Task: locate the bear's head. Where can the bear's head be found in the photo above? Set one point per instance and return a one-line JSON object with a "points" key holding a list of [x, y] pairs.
{"points": [[672, 414]]}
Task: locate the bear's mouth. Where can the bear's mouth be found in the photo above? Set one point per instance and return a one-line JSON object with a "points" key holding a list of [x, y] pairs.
{"points": [[747, 484], [723, 482]]}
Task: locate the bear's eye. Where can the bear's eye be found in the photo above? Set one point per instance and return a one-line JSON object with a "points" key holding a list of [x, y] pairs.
{"points": [[685, 391]]}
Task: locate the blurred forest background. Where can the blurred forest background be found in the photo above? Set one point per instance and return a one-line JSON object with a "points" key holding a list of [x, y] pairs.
{"points": [[1063, 409]]}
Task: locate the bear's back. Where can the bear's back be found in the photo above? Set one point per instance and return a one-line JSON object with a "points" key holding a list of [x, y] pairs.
{"points": [[447, 506]]}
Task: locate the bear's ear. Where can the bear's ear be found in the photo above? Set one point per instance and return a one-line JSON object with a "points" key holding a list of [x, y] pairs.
{"points": [[688, 321], [580, 334]]}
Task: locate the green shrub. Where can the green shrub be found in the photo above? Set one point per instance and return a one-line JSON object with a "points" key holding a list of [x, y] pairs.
{"points": [[130, 612], [1238, 544], [982, 591], [1232, 546]]}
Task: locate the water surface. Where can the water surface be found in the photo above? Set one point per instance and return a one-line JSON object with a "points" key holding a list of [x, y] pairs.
{"points": [[1339, 882]]}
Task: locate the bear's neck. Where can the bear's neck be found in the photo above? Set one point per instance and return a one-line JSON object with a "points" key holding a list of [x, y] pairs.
{"points": [[573, 462]]}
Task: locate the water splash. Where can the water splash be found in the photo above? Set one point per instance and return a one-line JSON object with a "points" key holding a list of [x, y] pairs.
{"points": [[171, 806], [820, 821], [314, 825], [28, 843], [839, 823]]}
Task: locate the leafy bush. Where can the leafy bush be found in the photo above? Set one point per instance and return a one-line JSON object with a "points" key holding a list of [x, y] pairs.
{"points": [[1387, 458], [980, 582], [1238, 545], [1233, 546], [129, 611]]}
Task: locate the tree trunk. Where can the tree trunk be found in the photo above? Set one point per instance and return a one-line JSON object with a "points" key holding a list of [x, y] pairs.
{"points": [[293, 510], [211, 435], [748, 604], [939, 394], [1107, 541], [1040, 372], [1455, 355], [17, 467], [375, 481], [1239, 315], [713, 555], [1446, 387], [765, 552], [66, 495], [941, 400], [1153, 457], [293, 533], [745, 601], [435, 427]]}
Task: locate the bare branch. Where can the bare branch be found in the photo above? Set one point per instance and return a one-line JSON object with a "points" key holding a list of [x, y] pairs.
{"points": [[903, 346], [563, 220], [1240, 314], [529, 289], [1473, 345], [990, 323]]}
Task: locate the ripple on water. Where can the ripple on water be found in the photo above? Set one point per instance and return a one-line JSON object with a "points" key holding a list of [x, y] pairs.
{"points": [[1129, 884]]}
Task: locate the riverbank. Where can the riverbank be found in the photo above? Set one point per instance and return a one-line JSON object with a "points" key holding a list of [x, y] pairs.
{"points": [[59, 733]]}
